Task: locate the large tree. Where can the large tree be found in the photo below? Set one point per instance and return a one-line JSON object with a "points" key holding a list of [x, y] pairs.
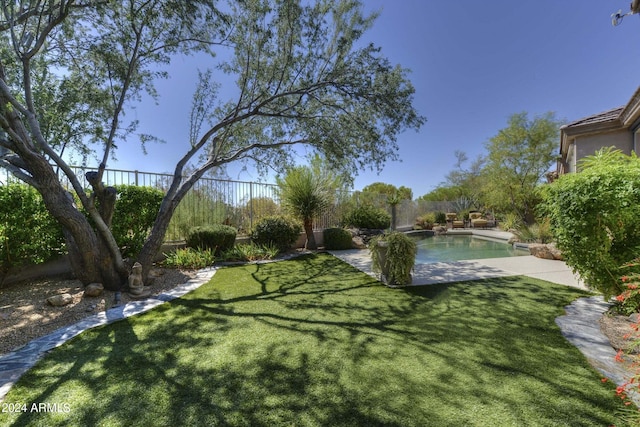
{"points": [[517, 160], [303, 73]]}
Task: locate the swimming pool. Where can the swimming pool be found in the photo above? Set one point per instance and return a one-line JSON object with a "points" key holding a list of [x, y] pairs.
{"points": [[440, 248]]}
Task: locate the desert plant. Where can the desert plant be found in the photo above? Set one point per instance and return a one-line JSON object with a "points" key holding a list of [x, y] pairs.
{"points": [[440, 218], [367, 216], [278, 231], [189, 258], [539, 232], [337, 239], [510, 221], [393, 257], [249, 252], [217, 237], [306, 192], [426, 221]]}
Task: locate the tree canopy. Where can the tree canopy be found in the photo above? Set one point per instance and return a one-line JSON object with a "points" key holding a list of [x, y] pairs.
{"points": [[506, 179], [303, 71], [517, 160]]}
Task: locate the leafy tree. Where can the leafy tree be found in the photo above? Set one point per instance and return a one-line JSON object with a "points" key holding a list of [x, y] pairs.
{"points": [[518, 157], [462, 187], [307, 192], [380, 194], [594, 217], [303, 73], [389, 190]]}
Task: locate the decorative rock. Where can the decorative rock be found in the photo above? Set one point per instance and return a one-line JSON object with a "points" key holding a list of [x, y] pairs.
{"points": [[439, 229], [60, 300], [93, 290], [545, 251], [358, 242]]}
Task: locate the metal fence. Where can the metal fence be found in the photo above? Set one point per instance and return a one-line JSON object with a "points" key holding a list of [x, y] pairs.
{"points": [[239, 203]]}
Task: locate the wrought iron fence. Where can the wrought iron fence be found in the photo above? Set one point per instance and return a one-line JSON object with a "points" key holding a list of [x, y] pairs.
{"points": [[238, 203]]}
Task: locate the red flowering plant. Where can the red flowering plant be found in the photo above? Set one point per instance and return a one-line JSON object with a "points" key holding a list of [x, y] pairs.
{"points": [[628, 303]]}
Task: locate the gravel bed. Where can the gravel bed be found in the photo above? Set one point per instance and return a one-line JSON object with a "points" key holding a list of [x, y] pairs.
{"points": [[25, 314]]}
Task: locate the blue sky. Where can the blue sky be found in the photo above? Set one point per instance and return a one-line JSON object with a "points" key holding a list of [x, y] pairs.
{"points": [[473, 63]]}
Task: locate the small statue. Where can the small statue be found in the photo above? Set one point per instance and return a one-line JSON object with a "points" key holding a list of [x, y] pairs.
{"points": [[136, 287]]}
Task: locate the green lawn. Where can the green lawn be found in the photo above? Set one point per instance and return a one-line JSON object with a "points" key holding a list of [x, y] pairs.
{"points": [[312, 341]]}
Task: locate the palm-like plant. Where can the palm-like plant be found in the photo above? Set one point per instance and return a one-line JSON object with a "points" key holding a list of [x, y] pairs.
{"points": [[307, 192]]}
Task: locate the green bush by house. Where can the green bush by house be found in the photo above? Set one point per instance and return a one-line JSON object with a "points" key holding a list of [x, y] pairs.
{"points": [[594, 218]]}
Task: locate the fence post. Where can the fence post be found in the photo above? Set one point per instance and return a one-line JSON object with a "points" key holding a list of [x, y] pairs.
{"points": [[136, 176], [251, 205]]}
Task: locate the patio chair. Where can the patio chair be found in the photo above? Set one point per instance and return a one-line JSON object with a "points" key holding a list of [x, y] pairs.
{"points": [[477, 221], [452, 218]]}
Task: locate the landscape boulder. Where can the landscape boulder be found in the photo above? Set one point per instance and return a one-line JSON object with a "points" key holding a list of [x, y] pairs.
{"points": [[60, 300], [358, 242], [93, 290], [545, 251]]}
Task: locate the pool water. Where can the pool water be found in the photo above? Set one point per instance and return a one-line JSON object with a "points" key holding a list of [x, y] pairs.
{"points": [[441, 248]]}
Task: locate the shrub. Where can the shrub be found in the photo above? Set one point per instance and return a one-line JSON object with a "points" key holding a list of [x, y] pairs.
{"points": [[250, 252], [367, 216], [426, 221], [510, 221], [217, 237], [135, 211], [536, 233], [440, 218], [189, 258], [28, 234], [594, 218], [337, 239], [197, 208], [278, 231]]}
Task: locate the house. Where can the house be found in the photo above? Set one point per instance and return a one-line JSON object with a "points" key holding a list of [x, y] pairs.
{"points": [[619, 127]]}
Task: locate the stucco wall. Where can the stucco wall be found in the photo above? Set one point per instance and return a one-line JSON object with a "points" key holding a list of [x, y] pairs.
{"points": [[588, 145]]}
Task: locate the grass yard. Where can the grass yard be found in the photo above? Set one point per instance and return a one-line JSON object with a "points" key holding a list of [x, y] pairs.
{"points": [[313, 341]]}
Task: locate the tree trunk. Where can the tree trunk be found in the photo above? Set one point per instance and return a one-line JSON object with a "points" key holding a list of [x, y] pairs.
{"points": [[311, 238], [90, 257], [154, 242]]}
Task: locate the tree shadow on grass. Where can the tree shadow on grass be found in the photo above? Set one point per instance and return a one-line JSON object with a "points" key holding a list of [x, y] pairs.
{"points": [[315, 342]]}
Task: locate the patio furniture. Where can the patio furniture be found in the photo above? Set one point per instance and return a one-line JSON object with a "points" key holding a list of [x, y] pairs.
{"points": [[477, 221], [452, 218]]}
